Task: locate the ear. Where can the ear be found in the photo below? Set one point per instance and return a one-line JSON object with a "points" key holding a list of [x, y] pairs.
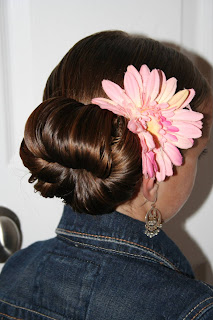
{"points": [[149, 188]]}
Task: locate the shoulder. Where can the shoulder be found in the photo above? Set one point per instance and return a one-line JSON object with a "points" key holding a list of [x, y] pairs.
{"points": [[105, 286], [18, 282], [136, 288], [22, 267], [202, 308]]}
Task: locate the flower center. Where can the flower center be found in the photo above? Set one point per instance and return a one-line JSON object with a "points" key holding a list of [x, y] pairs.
{"points": [[153, 126]]}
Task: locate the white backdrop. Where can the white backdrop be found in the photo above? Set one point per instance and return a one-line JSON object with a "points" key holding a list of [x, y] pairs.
{"points": [[34, 36]]}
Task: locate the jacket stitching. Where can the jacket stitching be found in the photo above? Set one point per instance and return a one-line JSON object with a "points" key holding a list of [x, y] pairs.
{"points": [[7, 315], [207, 286], [112, 250], [122, 240], [202, 310], [66, 256], [196, 307], [36, 312], [37, 288]]}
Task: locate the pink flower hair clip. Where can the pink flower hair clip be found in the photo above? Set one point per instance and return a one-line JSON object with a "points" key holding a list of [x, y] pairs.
{"points": [[162, 119]]}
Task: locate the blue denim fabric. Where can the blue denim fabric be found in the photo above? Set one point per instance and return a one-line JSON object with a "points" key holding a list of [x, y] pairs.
{"points": [[102, 268]]}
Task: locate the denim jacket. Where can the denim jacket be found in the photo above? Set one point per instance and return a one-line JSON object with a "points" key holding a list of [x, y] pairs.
{"points": [[102, 268]]}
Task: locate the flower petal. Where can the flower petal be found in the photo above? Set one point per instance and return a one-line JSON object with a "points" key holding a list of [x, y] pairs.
{"points": [[182, 98], [170, 137], [114, 91], [164, 164], [168, 113], [150, 165], [188, 130], [152, 86], [169, 91], [145, 73], [163, 105], [144, 165], [132, 88], [168, 165], [117, 94], [184, 115], [135, 126], [189, 99], [183, 142], [148, 140], [198, 124], [173, 153], [110, 105], [161, 173], [162, 86], [137, 76], [172, 129]]}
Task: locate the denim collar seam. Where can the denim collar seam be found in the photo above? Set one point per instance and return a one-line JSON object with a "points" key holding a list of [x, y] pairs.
{"points": [[165, 260], [120, 252]]}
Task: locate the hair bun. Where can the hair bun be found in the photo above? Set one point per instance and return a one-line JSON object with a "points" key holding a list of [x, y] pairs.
{"points": [[74, 151]]}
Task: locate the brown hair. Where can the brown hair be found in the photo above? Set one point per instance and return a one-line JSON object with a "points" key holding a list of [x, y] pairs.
{"points": [[80, 153]]}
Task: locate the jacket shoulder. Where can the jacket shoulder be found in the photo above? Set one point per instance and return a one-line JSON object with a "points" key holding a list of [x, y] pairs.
{"points": [[64, 283], [146, 290]]}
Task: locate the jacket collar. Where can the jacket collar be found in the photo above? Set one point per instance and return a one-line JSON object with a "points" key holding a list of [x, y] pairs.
{"points": [[130, 231]]}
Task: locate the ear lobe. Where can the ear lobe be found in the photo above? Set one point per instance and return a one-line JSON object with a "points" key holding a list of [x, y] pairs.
{"points": [[149, 188]]}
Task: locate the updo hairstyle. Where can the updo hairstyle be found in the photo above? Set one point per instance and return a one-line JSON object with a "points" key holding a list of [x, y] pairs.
{"points": [[76, 151]]}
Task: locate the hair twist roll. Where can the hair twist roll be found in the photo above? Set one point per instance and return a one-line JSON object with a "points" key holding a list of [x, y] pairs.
{"points": [[82, 154]]}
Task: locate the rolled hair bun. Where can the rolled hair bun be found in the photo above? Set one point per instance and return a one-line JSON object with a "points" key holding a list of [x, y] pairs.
{"points": [[81, 154]]}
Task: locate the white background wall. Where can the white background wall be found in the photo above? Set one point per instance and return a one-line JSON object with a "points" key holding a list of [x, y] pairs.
{"points": [[34, 36]]}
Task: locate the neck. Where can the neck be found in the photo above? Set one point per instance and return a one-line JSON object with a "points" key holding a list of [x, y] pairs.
{"points": [[135, 209]]}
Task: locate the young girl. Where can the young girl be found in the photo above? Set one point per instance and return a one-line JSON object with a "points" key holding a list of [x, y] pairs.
{"points": [[117, 137]]}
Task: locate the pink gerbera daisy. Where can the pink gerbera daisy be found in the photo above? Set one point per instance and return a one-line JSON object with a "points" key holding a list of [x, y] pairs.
{"points": [[162, 119]]}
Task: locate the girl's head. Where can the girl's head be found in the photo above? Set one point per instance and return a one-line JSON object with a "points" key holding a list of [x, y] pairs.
{"points": [[81, 153]]}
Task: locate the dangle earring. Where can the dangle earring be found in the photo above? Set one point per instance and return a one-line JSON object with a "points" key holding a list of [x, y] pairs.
{"points": [[153, 221]]}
